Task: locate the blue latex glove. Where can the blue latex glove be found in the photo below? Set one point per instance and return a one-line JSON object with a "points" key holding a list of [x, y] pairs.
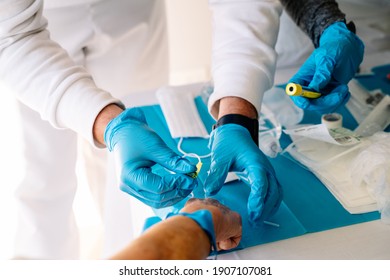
{"points": [[329, 69], [232, 149], [138, 149]]}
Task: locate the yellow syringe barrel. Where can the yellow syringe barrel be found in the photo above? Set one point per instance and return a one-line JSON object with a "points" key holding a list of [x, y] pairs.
{"points": [[293, 89]]}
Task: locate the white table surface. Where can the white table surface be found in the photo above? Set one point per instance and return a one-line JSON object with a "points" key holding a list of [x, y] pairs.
{"points": [[364, 241]]}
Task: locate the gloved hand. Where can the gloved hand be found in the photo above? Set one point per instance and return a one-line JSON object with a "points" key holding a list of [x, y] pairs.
{"points": [[138, 149], [232, 149], [329, 69]]}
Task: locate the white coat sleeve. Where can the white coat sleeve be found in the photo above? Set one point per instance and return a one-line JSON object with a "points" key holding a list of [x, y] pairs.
{"points": [[41, 73], [243, 54]]}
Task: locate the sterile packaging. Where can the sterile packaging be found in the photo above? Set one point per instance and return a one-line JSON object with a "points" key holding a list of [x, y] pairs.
{"points": [[180, 112], [377, 120], [277, 111], [337, 136], [370, 169], [357, 175], [270, 131], [330, 163], [357, 104], [362, 101]]}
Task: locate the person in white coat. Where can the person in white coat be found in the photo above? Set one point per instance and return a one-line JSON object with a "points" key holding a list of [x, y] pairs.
{"points": [[62, 58], [244, 58], [68, 61]]}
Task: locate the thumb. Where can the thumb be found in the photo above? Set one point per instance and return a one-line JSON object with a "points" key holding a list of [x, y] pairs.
{"points": [[336, 98], [322, 74], [300, 101], [160, 153], [259, 187], [216, 178]]}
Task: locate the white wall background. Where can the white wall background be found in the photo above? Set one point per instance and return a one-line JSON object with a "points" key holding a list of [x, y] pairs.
{"points": [[189, 25], [10, 170], [190, 41]]}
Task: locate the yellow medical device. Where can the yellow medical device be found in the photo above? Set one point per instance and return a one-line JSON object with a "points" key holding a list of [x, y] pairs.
{"points": [[195, 174], [293, 89]]}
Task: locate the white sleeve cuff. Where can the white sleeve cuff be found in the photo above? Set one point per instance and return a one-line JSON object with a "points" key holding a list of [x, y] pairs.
{"points": [[244, 56], [79, 107]]}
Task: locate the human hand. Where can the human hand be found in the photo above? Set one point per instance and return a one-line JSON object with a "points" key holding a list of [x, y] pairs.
{"points": [[138, 148], [227, 223], [329, 69], [232, 149]]}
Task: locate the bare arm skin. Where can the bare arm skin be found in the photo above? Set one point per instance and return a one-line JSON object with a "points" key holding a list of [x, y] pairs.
{"points": [[236, 105], [103, 118], [181, 238]]}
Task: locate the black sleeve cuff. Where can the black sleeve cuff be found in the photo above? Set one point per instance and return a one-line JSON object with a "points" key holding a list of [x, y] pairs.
{"points": [[252, 125]]}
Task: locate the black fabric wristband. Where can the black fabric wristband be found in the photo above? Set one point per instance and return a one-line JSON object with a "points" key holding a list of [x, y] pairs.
{"points": [[252, 125]]}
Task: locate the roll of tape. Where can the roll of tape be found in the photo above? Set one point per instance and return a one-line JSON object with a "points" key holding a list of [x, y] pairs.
{"points": [[333, 120]]}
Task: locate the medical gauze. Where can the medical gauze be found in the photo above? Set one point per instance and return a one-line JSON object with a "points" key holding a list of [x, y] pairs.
{"points": [[181, 113]]}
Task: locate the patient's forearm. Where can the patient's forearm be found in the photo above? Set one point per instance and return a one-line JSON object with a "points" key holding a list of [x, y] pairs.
{"points": [[176, 238]]}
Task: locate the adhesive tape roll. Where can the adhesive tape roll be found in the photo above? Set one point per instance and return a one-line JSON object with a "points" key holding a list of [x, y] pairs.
{"points": [[333, 120]]}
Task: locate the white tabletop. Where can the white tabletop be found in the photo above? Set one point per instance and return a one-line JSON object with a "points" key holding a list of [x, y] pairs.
{"points": [[364, 241]]}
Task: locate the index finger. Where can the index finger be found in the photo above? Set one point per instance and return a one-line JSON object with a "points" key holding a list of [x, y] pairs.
{"points": [[258, 183]]}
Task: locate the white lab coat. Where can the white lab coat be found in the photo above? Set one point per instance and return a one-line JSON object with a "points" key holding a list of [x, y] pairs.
{"points": [[38, 59], [243, 55], [113, 47], [48, 81]]}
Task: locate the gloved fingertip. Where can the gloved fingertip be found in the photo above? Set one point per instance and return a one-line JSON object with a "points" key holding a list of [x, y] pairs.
{"points": [[212, 192], [298, 80], [213, 183], [346, 98], [255, 210], [124, 188], [156, 205], [182, 165], [211, 189], [189, 184], [301, 102], [343, 89], [255, 220]]}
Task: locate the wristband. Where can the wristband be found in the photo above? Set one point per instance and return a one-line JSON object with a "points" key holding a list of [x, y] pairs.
{"points": [[252, 125], [205, 220]]}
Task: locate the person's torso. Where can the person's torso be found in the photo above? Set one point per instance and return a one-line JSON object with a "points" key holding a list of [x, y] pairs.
{"points": [[50, 4]]}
